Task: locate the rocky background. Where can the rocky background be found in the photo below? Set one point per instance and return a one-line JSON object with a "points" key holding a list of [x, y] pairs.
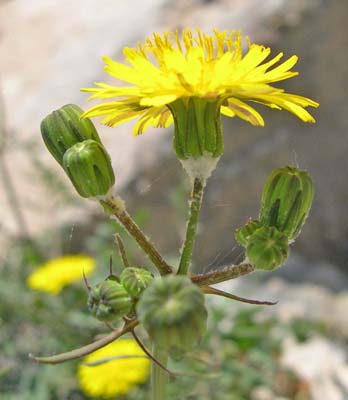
{"points": [[44, 63], [49, 49]]}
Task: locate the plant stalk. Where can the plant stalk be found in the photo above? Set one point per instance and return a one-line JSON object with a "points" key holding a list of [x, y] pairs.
{"points": [[159, 377], [147, 246], [195, 206], [89, 348], [225, 274], [114, 206]]}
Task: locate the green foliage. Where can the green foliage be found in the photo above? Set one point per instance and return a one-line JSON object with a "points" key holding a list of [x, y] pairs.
{"points": [[235, 359], [239, 353], [38, 323]]}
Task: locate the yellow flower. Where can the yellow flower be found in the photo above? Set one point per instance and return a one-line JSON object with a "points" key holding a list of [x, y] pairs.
{"points": [[168, 70], [55, 274], [116, 376]]}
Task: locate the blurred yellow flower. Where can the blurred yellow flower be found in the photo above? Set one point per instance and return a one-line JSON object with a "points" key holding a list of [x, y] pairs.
{"points": [[55, 274], [171, 68], [116, 376]]}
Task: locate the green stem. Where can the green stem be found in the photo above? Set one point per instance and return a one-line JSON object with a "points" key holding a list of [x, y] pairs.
{"points": [[159, 377], [217, 292], [115, 207], [88, 349], [148, 247], [195, 206], [225, 274]]}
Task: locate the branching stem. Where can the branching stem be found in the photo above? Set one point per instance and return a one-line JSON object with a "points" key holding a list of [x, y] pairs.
{"points": [[122, 251], [85, 350], [230, 272], [112, 207], [211, 290]]}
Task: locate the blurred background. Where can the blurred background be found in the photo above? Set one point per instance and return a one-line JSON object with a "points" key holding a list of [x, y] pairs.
{"points": [[48, 50]]}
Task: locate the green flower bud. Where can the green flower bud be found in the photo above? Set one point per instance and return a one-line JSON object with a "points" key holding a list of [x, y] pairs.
{"points": [[286, 200], [172, 311], [88, 166], [267, 248], [135, 280], [243, 233], [63, 128], [109, 300]]}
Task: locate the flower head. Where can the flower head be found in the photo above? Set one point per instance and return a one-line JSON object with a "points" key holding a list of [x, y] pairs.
{"points": [[55, 274], [169, 68], [116, 375]]}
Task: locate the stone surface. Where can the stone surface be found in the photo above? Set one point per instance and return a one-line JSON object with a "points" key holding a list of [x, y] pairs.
{"points": [[50, 48], [321, 361], [234, 190], [321, 364]]}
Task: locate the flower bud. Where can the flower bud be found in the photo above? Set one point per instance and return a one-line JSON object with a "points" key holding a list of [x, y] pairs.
{"points": [[63, 128], [88, 166], [172, 311], [286, 200], [109, 300], [135, 280], [267, 248], [243, 233]]}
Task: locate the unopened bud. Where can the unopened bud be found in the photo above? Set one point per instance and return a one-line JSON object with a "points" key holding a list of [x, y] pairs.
{"points": [[88, 166], [63, 128], [286, 200], [267, 248], [172, 311], [243, 233], [135, 280], [109, 300]]}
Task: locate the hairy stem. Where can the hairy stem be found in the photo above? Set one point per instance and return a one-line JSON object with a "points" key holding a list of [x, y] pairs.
{"points": [[116, 208], [122, 251], [195, 206], [211, 290], [159, 376], [230, 272], [85, 350]]}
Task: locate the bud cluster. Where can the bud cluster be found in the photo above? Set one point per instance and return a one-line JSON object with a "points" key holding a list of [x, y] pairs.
{"points": [[76, 146], [285, 204], [173, 312], [115, 298]]}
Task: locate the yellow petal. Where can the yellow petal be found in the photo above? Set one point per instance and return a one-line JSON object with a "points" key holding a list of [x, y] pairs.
{"points": [[246, 112], [121, 71], [117, 119], [113, 107], [227, 111], [281, 72], [157, 101]]}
